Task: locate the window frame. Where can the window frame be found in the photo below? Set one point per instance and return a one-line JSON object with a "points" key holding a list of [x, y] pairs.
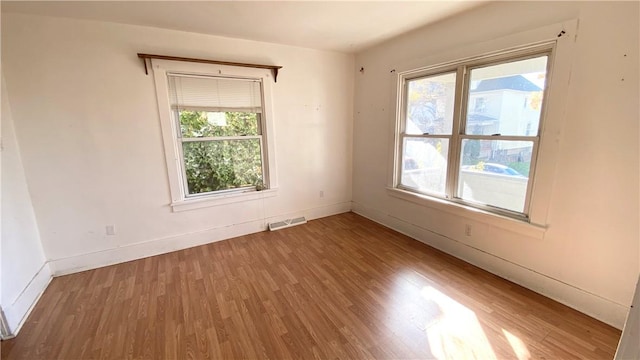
{"points": [[462, 69], [181, 139], [172, 136]]}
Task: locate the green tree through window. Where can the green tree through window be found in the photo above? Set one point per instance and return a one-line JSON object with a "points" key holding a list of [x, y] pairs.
{"points": [[219, 163]]}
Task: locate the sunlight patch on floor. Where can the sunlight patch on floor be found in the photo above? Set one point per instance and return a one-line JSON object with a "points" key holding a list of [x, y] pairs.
{"points": [[519, 347], [456, 334]]}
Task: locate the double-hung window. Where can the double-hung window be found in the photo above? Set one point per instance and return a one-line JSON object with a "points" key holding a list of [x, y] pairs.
{"points": [[469, 131], [217, 131], [219, 123]]}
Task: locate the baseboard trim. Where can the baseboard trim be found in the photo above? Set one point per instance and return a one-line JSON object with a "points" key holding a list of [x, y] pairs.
{"points": [[159, 246], [590, 304], [18, 312]]}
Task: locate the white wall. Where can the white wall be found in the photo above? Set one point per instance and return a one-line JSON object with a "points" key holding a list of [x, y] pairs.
{"points": [[87, 121], [22, 261], [588, 257]]}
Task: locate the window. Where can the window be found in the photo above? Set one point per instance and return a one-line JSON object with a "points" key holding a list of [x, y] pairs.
{"points": [[216, 125], [464, 134], [220, 132]]}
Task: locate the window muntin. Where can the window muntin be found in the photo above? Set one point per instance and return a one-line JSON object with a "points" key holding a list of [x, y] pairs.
{"points": [[491, 156], [218, 122]]}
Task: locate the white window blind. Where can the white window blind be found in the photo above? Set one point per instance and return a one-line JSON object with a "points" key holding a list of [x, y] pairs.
{"points": [[214, 94]]}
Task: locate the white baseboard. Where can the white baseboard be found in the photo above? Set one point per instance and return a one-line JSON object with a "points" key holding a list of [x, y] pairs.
{"points": [[172, 243], [593, 305], [16, 314]]}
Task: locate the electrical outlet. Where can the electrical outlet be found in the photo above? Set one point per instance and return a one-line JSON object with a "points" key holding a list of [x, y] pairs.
{"points": [[321, 193], [110, 229], [467, 230]]}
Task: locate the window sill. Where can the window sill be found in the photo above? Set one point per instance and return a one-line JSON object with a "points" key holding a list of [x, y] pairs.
{"points": [[222, 199], [503, 222]]}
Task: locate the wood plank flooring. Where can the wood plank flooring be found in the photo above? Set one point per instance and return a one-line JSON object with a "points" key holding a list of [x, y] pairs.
{"points": [[337, 287]]}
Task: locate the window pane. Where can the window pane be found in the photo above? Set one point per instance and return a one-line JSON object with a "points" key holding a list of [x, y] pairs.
{"points": [[424, 164], [430, 105], [495, 172], [506, 99], [221, 165], [207, 123]]}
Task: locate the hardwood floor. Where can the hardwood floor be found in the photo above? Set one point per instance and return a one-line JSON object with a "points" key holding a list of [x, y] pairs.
{"points": [[337, 287]]}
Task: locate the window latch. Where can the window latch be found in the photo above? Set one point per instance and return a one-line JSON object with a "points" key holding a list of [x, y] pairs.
{"points": [[425, 133], [498, 134]]}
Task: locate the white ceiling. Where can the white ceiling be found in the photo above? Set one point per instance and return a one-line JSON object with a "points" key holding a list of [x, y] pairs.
{"points": [[347, 26]]}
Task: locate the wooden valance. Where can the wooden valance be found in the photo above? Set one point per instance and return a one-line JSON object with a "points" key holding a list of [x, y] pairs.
{"points": [[274, 69]]}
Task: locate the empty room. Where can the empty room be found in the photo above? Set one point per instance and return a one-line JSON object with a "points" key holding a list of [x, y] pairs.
{"points": [[320, 180]]}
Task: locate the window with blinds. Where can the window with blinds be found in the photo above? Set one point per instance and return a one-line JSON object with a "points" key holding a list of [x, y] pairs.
{"points": [[215, 94], [218, 122]]}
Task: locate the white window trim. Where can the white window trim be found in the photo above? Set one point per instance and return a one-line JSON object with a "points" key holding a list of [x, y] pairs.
{"points": [[222, 199], [179, 199], [471, 213], [549, 144]]}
